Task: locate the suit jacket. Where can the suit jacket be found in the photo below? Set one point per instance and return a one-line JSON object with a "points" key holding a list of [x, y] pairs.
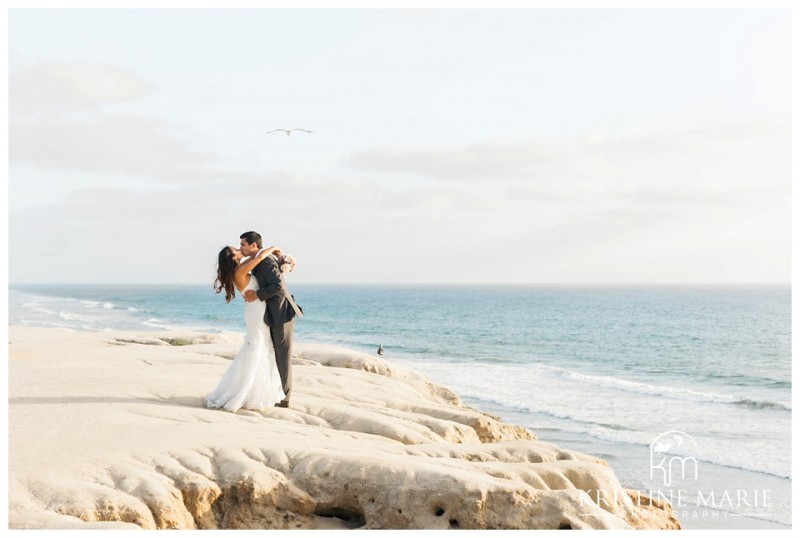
{"points": [[272, 289]]}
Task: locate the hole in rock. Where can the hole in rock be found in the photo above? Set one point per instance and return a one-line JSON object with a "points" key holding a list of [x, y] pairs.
{"points": [[351, 518], [439, 512], [565, 527], [454, 524]]}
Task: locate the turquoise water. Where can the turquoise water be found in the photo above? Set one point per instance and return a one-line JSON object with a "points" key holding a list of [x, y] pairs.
{"points": [[603, 370]]}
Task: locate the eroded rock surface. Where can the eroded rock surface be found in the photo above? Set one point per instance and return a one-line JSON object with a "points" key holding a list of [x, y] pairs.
{"points": [[108, 431]]}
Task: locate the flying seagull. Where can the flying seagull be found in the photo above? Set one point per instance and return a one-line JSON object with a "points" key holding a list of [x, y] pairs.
{"points": [[288, 131]]}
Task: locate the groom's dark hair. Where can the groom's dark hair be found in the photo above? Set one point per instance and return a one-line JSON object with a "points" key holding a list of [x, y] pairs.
{"points": [[252, 237]]}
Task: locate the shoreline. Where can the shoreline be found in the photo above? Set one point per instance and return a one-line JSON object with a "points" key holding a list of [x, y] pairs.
{"points": [[107, 430]]}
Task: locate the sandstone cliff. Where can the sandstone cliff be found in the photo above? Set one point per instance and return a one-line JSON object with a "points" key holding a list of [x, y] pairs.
{"points": [[107, 430]]}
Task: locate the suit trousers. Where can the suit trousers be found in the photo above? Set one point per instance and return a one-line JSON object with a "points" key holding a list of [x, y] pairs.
{"points": [[282, 344]]}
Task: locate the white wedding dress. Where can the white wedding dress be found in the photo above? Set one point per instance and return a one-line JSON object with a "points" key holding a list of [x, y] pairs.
{"points": [[252, 380]]}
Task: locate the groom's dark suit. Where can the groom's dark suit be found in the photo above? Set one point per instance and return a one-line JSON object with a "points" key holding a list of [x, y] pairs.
{"points": [[279, 316]]}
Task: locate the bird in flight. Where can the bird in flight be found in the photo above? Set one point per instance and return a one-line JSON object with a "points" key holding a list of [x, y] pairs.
{"points": [[288, 131]]}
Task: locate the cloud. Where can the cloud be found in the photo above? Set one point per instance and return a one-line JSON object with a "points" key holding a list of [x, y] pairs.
{"points": [[674, 199], [352, 230], [595, 156], [478, 162], [117, 144], [157, 231], [51, 87], [603, 185], [63, 117], [567, 202], [345, 229]]}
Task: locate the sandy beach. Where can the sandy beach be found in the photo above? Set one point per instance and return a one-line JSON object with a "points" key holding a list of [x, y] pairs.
{"points": [[108, 430]]}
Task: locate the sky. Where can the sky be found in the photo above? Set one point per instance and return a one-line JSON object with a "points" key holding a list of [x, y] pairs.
{"points": [[449, 146]]}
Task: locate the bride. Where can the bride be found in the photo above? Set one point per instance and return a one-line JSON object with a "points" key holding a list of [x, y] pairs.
{"points": [[252, 380]]}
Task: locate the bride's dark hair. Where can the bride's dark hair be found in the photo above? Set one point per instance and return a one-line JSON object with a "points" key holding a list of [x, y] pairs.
{"points": [[225, 271]]}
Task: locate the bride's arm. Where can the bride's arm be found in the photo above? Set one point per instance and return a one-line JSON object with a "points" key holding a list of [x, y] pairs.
{"points": [[250, 264]]}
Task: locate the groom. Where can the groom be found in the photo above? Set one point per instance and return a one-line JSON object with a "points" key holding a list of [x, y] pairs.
{"points": [[280, 309]]}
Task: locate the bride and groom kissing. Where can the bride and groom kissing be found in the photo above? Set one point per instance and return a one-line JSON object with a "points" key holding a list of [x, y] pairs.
{"points": [[260, 375]]}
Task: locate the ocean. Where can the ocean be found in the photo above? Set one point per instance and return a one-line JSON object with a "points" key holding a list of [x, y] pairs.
{"points": [[684, 390]]}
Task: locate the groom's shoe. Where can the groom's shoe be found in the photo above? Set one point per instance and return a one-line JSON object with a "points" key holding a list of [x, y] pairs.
{"points": [[282, 404]]}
